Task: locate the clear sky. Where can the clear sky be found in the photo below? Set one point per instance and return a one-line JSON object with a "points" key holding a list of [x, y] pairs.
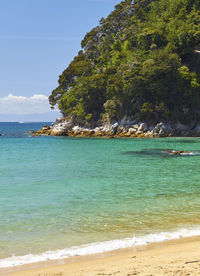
{"points": [[38, 39]]}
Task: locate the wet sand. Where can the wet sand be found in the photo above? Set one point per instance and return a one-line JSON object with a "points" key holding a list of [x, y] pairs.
{"points": [[175, 257]]}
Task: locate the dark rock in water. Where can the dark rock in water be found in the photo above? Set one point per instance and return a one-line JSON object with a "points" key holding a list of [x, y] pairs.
{"points": [[162, 153], [179, 152]]}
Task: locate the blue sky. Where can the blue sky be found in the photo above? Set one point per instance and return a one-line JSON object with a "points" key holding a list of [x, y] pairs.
{"points": [[38, 39]]}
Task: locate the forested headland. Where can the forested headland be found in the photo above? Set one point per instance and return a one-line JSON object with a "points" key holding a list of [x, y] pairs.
{"points": [[142, 62]]}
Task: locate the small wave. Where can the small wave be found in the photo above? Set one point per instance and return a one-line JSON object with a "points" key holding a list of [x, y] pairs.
{"points": [[95, 248]]}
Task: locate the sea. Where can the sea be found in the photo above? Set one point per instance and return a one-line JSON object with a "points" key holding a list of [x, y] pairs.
{"points": [[64, 196]]}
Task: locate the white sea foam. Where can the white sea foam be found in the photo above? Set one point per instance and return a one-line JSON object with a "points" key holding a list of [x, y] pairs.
{"points": [[99, 247]]}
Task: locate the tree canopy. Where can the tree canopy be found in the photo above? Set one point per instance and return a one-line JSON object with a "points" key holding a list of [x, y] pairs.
{"points": [[142, 61]]}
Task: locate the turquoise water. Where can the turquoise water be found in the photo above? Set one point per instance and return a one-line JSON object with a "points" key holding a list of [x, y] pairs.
{"points": [[59, 192]]}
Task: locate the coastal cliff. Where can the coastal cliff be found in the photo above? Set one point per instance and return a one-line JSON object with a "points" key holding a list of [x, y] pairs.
{"points": [[141, 62], [137, 75]]}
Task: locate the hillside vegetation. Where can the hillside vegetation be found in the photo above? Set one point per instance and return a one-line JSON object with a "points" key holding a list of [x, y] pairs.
{"points": [[142, 61]]}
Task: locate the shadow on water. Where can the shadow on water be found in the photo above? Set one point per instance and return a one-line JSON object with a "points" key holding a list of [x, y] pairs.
{"points": [[165, 153], [182, 141]]}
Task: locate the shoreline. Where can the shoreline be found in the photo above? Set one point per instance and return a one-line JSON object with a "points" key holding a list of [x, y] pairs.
{"points": [[172, 257], [126, 128], [101, 247], [94, 250]]}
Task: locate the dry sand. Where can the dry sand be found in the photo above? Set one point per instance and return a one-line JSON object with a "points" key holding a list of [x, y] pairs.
{"points": [[177, 257]]}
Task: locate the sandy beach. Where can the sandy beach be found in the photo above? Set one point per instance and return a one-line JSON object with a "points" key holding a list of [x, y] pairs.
{"points": [[175, 257]]}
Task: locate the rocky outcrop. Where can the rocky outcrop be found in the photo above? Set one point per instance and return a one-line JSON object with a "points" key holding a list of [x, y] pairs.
{"points": [[197, 130], [179, 152], [124, 128]]}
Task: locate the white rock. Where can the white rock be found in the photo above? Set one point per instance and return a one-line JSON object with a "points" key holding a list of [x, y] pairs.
{"points": [[136, 126], [132, 130], [77, 128], [97, 129], [142, 127], [159, 129], [114, 126], [60, 127]]}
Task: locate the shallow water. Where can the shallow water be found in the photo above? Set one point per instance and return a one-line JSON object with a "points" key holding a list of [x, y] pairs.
{"points": [[59, 192]]}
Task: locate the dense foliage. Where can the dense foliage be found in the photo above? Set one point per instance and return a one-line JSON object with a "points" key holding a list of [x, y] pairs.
{"points": [[142, 61]]}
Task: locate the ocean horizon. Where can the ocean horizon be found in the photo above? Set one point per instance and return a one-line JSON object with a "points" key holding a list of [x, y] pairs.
{"points": [[65, 196]]}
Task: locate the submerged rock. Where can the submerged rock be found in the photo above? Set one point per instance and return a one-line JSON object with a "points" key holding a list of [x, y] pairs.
{"points": [[179, 152]]}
